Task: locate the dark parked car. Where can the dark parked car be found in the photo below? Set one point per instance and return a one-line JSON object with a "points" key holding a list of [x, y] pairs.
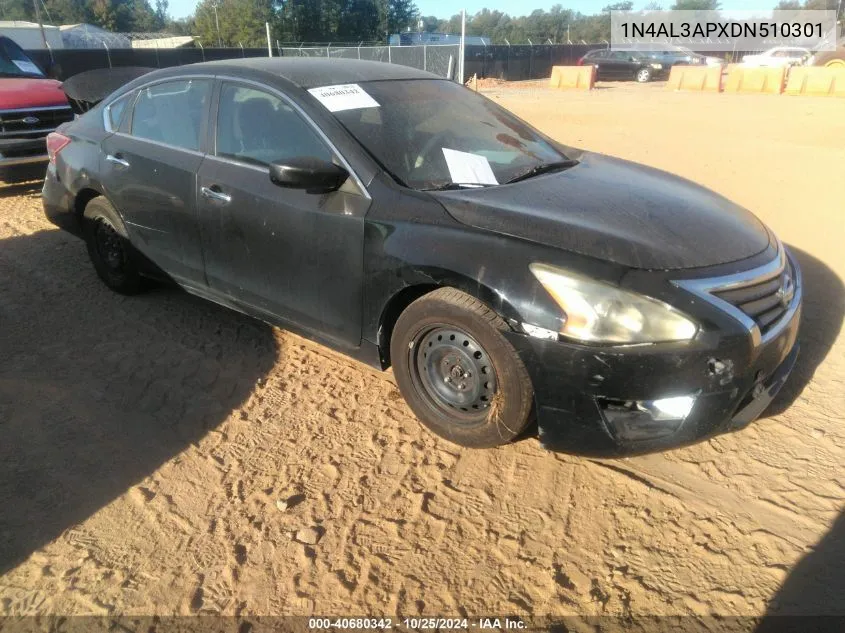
{"points": [[624, 65], [407, 221]]}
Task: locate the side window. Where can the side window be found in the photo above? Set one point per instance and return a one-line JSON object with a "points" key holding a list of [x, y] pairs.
{"points": [[172, 112], [259, 128], [116, 110]]}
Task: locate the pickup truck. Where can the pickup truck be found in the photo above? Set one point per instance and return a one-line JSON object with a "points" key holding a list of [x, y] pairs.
{"points": [[31, 106]]}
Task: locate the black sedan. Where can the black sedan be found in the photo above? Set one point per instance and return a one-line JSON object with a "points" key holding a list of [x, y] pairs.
{"points": [[409, 222], [625, 65]]}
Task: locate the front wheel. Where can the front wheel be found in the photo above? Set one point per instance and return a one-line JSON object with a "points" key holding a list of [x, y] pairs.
{"points": [[831, 59], [458, 373], [644, 75]]}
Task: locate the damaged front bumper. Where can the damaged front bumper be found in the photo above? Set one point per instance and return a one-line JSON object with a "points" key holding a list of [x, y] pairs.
{"points": [[621, 400]]}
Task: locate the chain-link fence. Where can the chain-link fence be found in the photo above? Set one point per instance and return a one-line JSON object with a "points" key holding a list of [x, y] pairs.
{"points": [[440, 59]]}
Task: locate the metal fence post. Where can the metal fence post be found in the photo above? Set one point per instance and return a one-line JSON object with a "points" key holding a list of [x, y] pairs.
{"points": [[389, 56], [241, 44], [107, 53], [359, 49], [425, 55], [202, 50]]}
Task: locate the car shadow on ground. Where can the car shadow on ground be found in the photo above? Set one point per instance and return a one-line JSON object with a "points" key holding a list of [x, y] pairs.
{"points": [[821, 320], [98, 390], [814, 587]]}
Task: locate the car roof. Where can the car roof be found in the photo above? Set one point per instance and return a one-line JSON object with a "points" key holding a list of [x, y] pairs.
{"points": [[309, 72]]}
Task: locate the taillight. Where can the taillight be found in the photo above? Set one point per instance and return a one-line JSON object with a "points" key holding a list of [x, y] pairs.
{"points": [[56, 142]]}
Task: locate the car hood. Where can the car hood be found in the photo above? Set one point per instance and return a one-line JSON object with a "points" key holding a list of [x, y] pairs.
{"points": [[617, 211], [17, 93]]}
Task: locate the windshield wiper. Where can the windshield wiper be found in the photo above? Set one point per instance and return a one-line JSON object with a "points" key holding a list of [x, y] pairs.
{"points": [[451, 186], [543, 168]]}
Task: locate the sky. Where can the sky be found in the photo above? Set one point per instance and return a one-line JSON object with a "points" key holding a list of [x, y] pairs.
{"points": [[448, 8]]}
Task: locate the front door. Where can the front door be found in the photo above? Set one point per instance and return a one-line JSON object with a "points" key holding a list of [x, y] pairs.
{"points": [[286, 252], [149, 171]]}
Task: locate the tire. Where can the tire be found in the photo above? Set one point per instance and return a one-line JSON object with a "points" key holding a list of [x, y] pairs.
{"points": [[831, 59], [458, 373], [643, 75], [111, 253]]}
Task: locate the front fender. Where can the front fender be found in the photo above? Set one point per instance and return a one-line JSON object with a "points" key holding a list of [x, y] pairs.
{"points": [[405, 260]]}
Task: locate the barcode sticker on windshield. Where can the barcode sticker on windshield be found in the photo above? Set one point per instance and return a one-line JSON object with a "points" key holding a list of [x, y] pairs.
{"points": [[344, 97], [469, 169], [27, 67]]}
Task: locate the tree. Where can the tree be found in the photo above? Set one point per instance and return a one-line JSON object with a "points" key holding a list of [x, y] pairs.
{"points": [[241, 22], [696, 5], [619, 6], [653, 6], [400, 15], [430, 23]]}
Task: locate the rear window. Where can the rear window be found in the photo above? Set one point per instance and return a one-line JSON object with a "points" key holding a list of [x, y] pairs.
{"points": [[172, 112]]}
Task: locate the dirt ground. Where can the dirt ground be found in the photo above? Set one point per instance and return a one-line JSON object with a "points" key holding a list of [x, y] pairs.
{"points": [[146, 441]]}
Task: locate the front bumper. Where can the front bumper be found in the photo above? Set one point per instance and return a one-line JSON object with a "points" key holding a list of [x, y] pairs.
{"points": [[27, 151], [732, 376]]}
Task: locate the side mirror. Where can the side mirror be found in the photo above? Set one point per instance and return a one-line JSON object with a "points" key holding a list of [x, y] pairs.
{"points": [[309, 173]]}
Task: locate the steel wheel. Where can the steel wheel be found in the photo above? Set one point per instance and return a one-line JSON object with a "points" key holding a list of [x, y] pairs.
{"points": [[458, 372], [453, 372], [109, 247]]}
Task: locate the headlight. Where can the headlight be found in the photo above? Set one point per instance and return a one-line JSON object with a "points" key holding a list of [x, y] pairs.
{"points": [[600, 313], [657, 66]]}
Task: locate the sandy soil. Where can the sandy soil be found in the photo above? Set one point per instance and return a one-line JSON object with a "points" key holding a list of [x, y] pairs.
{"points": [[146, 441]]}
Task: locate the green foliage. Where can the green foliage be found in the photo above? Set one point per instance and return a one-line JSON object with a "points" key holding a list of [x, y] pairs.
{"points": [[696, 5]]}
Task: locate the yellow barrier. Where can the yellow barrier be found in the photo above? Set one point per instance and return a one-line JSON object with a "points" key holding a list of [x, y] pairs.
{"points": [[817, 81], [577, 77], [756, 80], [695, 78]]}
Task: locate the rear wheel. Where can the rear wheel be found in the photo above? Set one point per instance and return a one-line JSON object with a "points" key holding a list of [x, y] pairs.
{"points": [[109, 247], [644, 75], [458, 373]]}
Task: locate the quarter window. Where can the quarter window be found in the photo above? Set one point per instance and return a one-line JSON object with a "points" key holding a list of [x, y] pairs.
{"points": [[259, 128], [172, 112], [116, 110]]}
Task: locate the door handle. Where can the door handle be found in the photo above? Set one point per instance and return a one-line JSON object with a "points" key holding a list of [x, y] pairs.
{"points": [[117, 161], [216, 196]]}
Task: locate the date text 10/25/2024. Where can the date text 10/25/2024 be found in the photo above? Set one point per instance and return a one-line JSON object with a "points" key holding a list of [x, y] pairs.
{"points": [[418, 624]]}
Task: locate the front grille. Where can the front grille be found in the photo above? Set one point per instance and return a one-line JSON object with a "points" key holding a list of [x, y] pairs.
{"points": [[765, 300], [33, 123]]}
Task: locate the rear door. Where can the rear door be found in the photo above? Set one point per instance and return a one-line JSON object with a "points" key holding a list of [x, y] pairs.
{"points": [[621, 66], [599, 59], [149, 168], [289, 253]]}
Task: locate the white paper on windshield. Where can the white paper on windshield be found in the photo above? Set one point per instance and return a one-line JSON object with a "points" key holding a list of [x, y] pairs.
{"points": [[344, 97], [27, 67], [469, 169]]}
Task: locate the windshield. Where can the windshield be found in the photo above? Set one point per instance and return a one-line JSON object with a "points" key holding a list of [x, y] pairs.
{"points": [[14, 62], [431, 134]]}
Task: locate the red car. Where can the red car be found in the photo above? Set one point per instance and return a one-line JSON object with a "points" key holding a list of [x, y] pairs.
{"points": [[31, 106]]}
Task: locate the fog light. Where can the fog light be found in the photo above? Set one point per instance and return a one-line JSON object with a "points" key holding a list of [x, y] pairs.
{"points": [[632, 420], [672, 408]]}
